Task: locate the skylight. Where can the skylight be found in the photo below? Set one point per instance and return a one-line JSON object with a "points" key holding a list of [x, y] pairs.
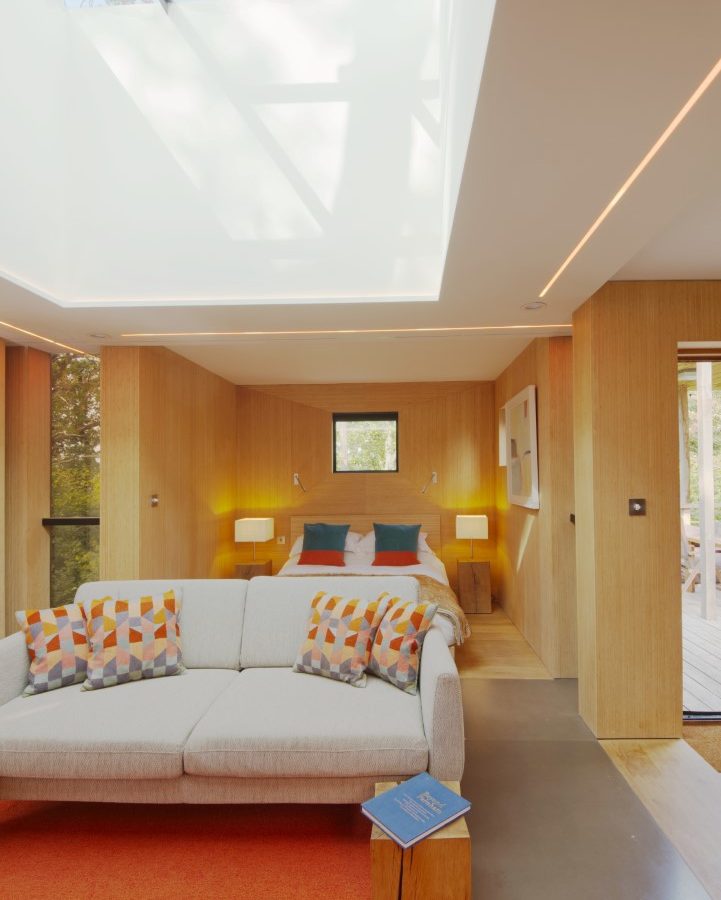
{"points": [[252, 152]]}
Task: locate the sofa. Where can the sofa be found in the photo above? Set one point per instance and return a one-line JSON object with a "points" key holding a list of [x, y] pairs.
{"points": [[238, 725]]}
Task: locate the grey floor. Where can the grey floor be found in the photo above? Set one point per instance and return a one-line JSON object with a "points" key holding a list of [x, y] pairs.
{"points": [[552, 818]]}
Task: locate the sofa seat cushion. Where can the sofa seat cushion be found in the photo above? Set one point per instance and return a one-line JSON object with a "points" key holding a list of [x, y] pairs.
{"points": [[276, 722], [136, 730]]}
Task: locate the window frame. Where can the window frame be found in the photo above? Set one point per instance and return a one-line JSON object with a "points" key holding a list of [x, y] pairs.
{"points": [[364, 417]]}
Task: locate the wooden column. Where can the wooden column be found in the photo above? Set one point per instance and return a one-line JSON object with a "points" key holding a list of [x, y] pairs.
{"points": [[27, 481], [707, 532]]}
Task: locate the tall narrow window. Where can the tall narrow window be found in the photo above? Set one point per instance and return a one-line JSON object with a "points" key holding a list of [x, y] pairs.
{"points": [[365, 442], [75, 474]]}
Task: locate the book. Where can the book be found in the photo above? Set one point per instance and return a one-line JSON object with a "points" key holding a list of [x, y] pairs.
{"points": [[415, 809]]}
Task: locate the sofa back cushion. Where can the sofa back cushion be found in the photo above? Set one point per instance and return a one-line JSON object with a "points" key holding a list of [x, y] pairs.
{"points": [[211, 614], [277, 610]]}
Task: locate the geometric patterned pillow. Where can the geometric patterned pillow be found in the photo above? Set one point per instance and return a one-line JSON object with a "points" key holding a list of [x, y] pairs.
{"points": [[340, 636], [57, 647], [133, 639], [396, 651]]}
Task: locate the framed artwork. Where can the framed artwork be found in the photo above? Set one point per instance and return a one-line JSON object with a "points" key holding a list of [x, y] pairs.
{"points": [[522, 449]]}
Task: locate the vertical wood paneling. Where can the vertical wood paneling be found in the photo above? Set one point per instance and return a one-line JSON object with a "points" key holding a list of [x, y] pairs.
{"points": [[27, 480], [168, 428], [626, 436], [536, 547], [445, 426]]}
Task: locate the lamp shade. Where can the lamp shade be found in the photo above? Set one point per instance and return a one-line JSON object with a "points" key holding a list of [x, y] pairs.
{"points": [[247, 530], [472, 527]]}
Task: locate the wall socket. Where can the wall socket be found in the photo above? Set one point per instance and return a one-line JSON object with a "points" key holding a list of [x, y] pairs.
{"points": [[280, 539]]}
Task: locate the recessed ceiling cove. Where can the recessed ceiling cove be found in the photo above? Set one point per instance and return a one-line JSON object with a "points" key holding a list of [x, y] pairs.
{"points": [[225, 152]]}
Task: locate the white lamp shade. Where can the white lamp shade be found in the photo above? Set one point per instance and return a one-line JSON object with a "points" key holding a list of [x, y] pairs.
{"points": [[472, 527], [247, 530]]}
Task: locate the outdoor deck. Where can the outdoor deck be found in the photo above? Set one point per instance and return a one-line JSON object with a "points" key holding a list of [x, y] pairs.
{"points": [[701, 657]]}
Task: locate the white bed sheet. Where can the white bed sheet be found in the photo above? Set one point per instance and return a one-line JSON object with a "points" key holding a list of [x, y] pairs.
{"points": [[362, 564]]}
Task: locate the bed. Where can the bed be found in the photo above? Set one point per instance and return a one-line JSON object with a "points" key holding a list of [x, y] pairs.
{"points": [[430, 573]]}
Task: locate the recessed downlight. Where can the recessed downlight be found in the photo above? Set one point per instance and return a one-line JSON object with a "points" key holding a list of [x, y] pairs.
{"points": [[534, 305], [99, 336]]}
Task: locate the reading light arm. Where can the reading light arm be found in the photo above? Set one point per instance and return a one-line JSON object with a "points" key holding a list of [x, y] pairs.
{"points": [[432, 480], [298, 483]]}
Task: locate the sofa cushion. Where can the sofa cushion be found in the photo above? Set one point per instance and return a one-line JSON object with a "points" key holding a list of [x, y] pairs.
{"points": [[274, 722], [57, 644], [277, 610], [211, 614], [137, 730]]}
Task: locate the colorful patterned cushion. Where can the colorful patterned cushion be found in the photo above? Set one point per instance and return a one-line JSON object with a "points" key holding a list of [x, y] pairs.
{"points": [[340, 636], [57, 646], [396, 651], [133, 639]]}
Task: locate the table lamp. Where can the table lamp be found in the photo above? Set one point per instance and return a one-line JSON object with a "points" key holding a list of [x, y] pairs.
{"points": [[472, 527], [247, 530]]}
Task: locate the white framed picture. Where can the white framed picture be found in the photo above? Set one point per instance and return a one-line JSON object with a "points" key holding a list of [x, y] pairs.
{"points": [[522, 449]]}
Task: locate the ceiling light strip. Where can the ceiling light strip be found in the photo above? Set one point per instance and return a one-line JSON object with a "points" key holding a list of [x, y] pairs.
{"points": [[40, 337], [672, 126], [330, 331]]}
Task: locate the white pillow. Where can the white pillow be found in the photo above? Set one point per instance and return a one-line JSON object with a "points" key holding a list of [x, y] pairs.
{"points": [[367, 543], [352, 541]]}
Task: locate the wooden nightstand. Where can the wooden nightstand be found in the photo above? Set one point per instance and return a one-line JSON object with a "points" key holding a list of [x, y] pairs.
{"points": [[251, 569], [474, 585]]}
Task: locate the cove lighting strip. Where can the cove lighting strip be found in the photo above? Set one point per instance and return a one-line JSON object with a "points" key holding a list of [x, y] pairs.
{"points": [[40, 337], [331, 331], [666, 134]]}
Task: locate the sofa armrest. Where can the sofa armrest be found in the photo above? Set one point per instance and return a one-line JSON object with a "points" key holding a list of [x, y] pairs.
{"points": [[442, 708], [14, 666]]}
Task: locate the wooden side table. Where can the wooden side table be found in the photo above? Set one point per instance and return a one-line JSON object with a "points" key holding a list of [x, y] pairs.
{"points": [[437, 867], [251, 569], [474, 585]]}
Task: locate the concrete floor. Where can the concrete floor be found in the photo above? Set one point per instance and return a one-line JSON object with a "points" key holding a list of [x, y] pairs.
{"points": [[552, 818]]}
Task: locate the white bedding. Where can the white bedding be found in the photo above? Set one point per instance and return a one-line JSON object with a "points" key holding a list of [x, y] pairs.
{"points": [[362, 564]]}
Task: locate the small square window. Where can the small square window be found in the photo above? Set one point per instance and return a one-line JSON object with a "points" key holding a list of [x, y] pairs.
{"points": [[365, 442]]}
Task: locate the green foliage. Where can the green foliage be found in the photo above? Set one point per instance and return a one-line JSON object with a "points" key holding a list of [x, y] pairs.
{"points": [[75, 472], [693, 452], [366, 446]]}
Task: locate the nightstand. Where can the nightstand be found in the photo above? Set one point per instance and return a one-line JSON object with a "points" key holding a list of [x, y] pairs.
{"points": [[474, 585], [251, 569]]}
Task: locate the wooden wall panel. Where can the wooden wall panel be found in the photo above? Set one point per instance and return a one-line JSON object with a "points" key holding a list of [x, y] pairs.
{"points": [[446, 426], [168, 428], [536, 554], [626, 438], [27, 480]]}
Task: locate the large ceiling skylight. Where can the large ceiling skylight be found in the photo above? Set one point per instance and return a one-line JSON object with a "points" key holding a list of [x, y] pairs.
{"points": [[239, 151]]}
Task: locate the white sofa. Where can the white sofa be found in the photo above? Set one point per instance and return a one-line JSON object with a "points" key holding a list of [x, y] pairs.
{"points": [[238, 726]]}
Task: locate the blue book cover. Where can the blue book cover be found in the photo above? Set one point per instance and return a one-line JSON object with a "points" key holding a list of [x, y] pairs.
{"points": [[414, 809]]}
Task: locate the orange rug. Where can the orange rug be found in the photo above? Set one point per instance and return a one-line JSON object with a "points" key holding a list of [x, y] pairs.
{"points": [[93, 851]]}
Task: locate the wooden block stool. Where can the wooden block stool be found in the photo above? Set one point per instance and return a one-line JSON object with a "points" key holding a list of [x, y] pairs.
{"points": [[436, 868]]}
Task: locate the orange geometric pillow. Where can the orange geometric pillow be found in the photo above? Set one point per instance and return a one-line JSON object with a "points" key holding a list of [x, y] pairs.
{"points": [[340, 635], [57, 647], [396, 652], [133, 639]]}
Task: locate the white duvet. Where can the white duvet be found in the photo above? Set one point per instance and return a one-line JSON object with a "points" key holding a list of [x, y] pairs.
{"points": [[362, 564]]}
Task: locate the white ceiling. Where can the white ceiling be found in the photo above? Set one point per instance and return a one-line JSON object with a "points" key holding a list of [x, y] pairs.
{"points": [[571, 98]]}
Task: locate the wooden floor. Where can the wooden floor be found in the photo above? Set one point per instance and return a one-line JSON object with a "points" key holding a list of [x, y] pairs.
{"points": [[683, 794], [497, 649], [701, 658]]}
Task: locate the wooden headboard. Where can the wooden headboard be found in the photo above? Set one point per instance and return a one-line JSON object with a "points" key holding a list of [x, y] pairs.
{"points": [[430, 523]]}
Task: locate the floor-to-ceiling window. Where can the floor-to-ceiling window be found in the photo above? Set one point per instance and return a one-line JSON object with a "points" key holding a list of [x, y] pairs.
{"points": [[699, 385], [75, 474]]}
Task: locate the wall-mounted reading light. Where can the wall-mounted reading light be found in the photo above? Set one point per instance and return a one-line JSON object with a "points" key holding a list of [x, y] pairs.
{"points": [[432, 480], [298, 483]]}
